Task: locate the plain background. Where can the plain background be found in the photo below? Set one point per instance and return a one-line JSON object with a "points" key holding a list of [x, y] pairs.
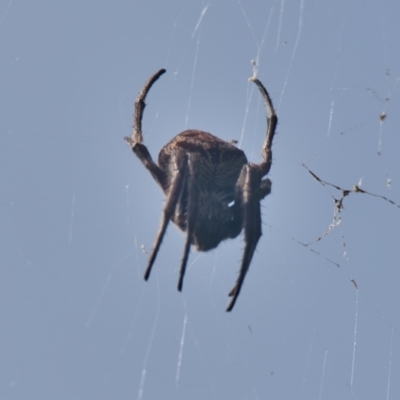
{"points": [[79, 213]]}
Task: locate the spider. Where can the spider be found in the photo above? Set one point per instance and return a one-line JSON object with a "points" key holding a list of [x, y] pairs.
{"points": [[212, 192]]}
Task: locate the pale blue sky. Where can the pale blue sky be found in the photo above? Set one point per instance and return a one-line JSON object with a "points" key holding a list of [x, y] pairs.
{"points": [[79, 213]]}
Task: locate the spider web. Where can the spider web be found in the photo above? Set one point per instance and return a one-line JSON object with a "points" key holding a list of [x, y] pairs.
{"points": [[317, 316]]}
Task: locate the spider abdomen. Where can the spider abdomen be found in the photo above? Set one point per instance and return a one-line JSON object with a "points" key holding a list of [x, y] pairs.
{"points": [[216, 220]]}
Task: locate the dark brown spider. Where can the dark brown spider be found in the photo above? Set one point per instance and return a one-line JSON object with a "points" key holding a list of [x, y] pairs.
{"points": [[212, 192]]}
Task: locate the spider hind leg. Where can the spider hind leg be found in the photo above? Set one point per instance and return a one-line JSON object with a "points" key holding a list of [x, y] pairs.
{"points": [[174, 193], [192, 206]]}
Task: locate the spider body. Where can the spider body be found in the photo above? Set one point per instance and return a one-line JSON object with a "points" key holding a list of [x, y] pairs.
{"points": [[212, 192], [217, 165]]}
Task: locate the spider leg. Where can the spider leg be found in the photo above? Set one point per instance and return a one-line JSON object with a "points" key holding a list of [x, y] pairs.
{"points": [[176, 188], [248, 199], [137, 136], [191, 216], [272, 121], [135, 141], [250, 189], [144, 156]]}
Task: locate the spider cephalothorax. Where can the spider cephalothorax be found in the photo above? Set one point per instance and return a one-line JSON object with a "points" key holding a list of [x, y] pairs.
{"points": [[212, 192]]}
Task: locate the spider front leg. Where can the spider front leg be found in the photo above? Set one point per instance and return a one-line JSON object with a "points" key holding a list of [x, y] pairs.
{"points": [[137, 136], [272, 122], [135, 141], [247, 199]]}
